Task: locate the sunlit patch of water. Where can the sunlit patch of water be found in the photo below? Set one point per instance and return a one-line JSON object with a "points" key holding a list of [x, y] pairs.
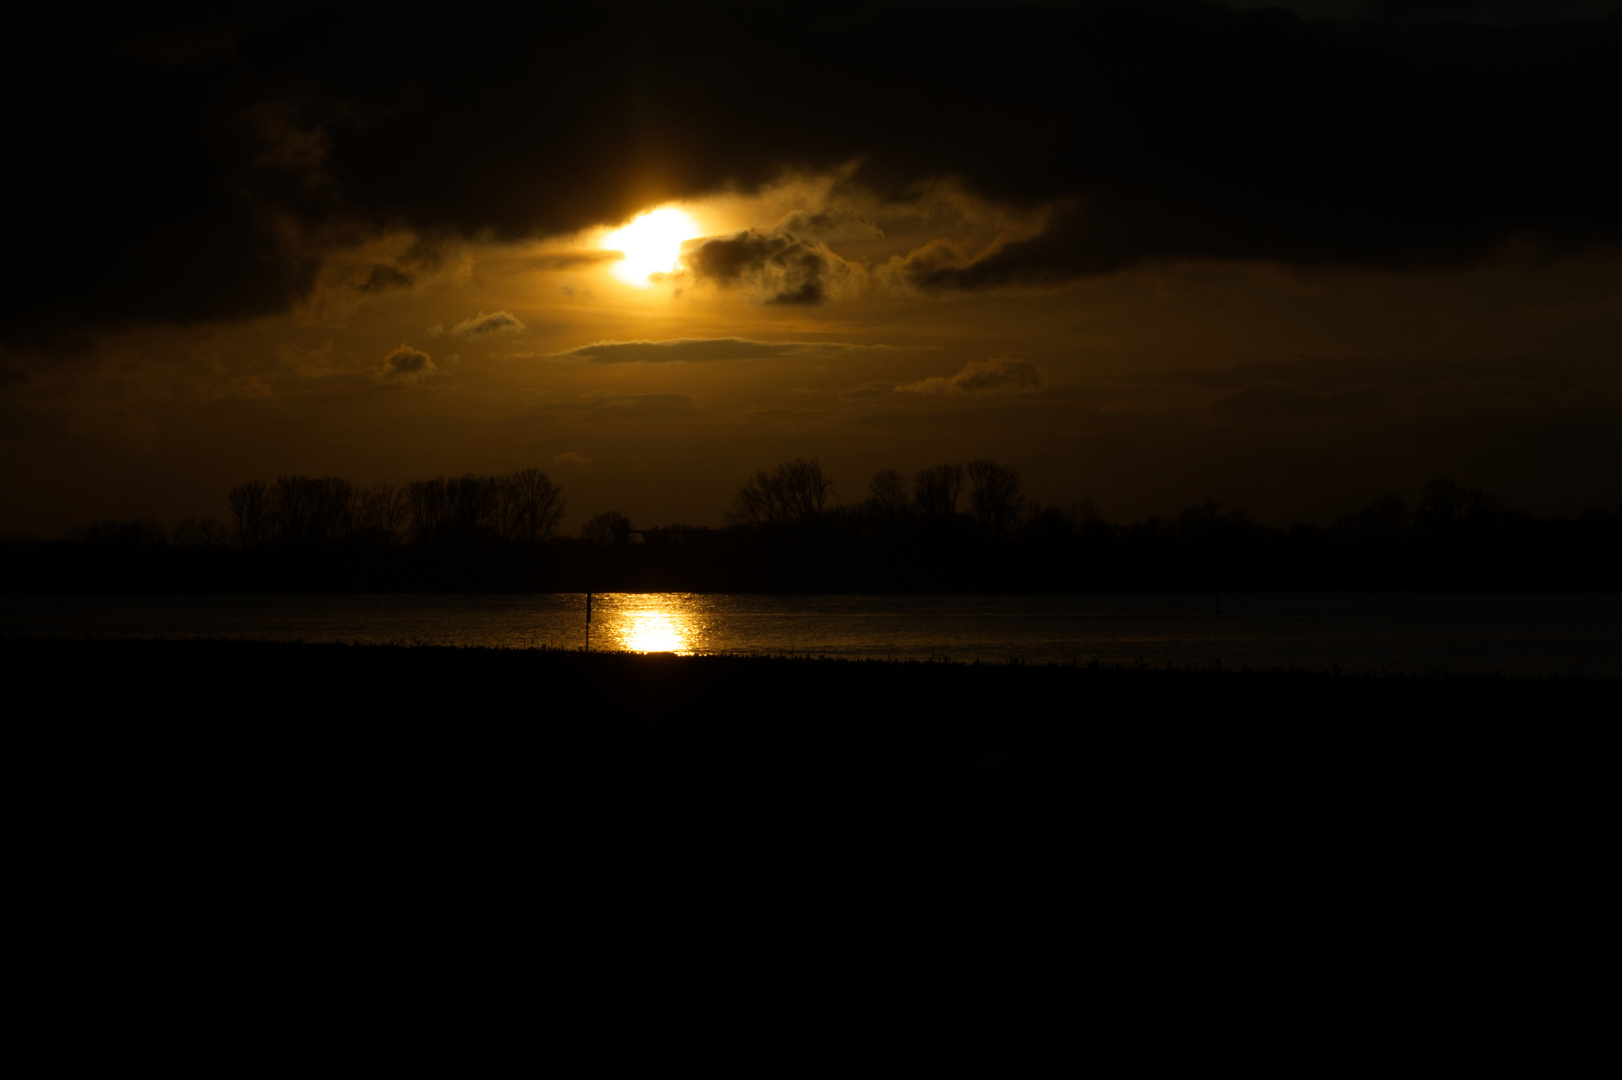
{"points": [[653, 631]]}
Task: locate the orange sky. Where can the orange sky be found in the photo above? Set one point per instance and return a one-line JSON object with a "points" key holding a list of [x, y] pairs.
{"points": [[1299, 388]]}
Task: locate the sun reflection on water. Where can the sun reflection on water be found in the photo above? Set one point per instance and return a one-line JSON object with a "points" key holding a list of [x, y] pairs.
{"points": [[654, 631]]}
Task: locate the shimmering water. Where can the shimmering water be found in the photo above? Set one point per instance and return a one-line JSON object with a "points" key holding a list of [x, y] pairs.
{"points": [[1522, 634]]}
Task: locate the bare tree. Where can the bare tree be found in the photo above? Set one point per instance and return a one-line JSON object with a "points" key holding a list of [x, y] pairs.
{"points": [[381, 514], [529, 507], [757, 502], [794, 493], [459, 510], [310, 510], [250, 504], [1084, 514], [887, 492], [429, 505], [935, 491], [1384, 520], [473, 507], [607, 529], [524, 507], [1443, 504], [200, 532], [994, 500]]}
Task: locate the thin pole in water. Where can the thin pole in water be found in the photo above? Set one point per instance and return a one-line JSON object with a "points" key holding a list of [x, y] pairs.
{"points": [[588, 622]]}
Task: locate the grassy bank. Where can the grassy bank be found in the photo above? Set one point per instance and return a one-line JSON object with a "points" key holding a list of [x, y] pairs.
{"points": [[904, 760], [312, 808]]}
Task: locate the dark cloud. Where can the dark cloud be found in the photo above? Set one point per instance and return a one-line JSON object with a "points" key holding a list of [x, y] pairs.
{"points": [[383, 277], [779, 267], [998, 375], [697, 350], [408, 364], [482, 325], [159, 179], [574, 260], [830, 225]]}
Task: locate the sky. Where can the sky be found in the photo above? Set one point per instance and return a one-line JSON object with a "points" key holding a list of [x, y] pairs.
{"points": [[1149, 253]]}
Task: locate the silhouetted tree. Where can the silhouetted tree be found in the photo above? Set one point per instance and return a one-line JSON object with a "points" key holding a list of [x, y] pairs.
{"points": [[456, 511], [1444, 505], [528, 507], [200, 532], [887, 494], [1049, 523], [429, 502], [994, 498], [472, 508], [381, 514], [1085, 515], [794, 493], [308, 510], [250, 509], [524, 507], [935, 491], [607, 529], [1382, 521]]}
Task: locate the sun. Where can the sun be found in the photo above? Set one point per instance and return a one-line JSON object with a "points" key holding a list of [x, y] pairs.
{"points": [[651, 244]]}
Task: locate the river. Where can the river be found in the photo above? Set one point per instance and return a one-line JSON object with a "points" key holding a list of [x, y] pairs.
{"points": [[1511, 633]]}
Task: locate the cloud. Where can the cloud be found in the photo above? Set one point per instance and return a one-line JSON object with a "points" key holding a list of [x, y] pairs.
{"points": [[573, 260], [1151, 131], [777, 267], [998, 375], [699, 350], [482, 325], [830, 225], [383, 277], [569, 457], [408, 365]]}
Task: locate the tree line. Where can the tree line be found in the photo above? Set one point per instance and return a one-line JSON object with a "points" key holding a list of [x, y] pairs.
{"points": [[521, 508], [948, 528], [797, 493]]}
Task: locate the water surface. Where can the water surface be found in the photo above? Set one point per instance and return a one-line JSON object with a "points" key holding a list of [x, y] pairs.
{"points": [[1522, 634]]}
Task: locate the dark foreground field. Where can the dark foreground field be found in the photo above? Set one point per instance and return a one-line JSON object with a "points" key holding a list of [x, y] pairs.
{"points": [[662, 758], [1270, 823]]}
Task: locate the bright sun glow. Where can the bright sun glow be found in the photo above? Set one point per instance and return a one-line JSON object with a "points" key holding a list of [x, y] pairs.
{"points": [[651, 244], [654, 633]]}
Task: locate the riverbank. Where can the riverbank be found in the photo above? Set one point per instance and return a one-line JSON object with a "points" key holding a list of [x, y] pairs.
{"points": [[772, 755], [598, 821]]}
